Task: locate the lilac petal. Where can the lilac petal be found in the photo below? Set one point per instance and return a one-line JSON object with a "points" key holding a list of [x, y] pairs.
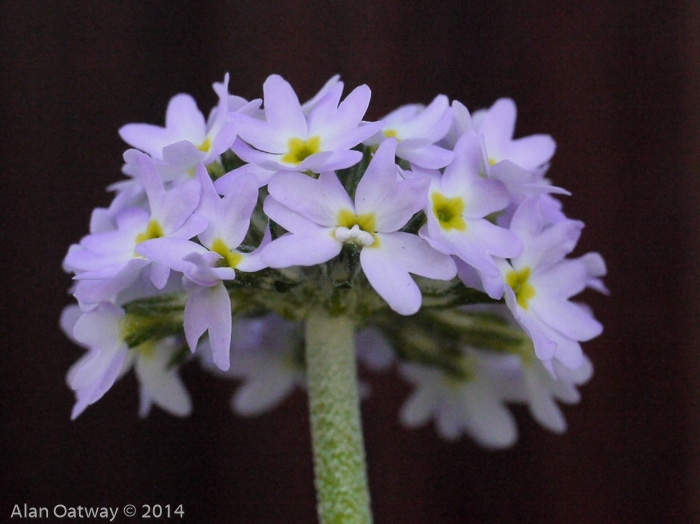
{"points": [[432, 118], [333, 161], [148, 138], [462, 119], [209, 308], [94, 291], [595, 267], [323, 118], [176, 206], [163, 385], [183, 155], [223, 185], [261, 159], [429, 157], [542, 406], [159, 275], [568, 318], [418, 408], [552, 245], [99, 327], [202, 272], [256, 396], [132, 219], [317, 200], [307, 249], [69, 317], [223, 141], [486, 419], [315, 162], [282, 108], [498, 125], [351, 137], [229, 218], [194, 225], [351, 110], [185, 119], [253, 261], [527, 221], [209, 198], [561, 281], [111, 245], [530, 152], [400, 115], [310, 104], [170, 251], [467, 248], [379, 193], [415, 255], [260, 134], [102, 372], [465, 166], [146, 171], [288, 219], [392, 283], [494, 240]]}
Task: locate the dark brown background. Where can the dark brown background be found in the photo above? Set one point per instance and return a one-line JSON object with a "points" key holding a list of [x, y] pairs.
{"points": [[616, 83]]}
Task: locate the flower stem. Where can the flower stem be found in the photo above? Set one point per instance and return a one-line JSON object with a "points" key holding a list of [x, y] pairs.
{"points": [[336, 430]]}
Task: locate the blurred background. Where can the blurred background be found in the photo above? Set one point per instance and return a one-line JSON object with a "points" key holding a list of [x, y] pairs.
{"points": [[617, 84]]}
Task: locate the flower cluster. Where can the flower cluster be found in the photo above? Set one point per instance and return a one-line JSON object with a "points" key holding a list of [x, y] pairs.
{"points": [[433, 228]]}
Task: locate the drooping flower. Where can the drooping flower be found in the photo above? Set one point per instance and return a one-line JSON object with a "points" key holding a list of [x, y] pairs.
{"points": [[540, 282], [321, 218], [207, 265], [159, 380], [289, 139], [100, 332]]}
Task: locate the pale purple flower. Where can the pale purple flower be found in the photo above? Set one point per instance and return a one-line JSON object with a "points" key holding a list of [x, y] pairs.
{"points": [[106, 262], [417, 128], [269, 359], [497, 126], [321, 218], [535, 386], [100, 332], [458, 205], [289, 139], [540, 282], [159, 381], [187, 138], [207, 265], [473, 405]]}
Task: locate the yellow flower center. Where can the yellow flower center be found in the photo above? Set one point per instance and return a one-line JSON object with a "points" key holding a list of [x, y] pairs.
{"points": [[357, 228], [391, 133], [231, 258], [153, 230], [300, 150], [448, 211], [518, 281], [147, 349], [204, 146]]}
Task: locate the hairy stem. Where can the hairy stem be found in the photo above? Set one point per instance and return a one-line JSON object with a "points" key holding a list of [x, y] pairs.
{"points": [[336, 430]]}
